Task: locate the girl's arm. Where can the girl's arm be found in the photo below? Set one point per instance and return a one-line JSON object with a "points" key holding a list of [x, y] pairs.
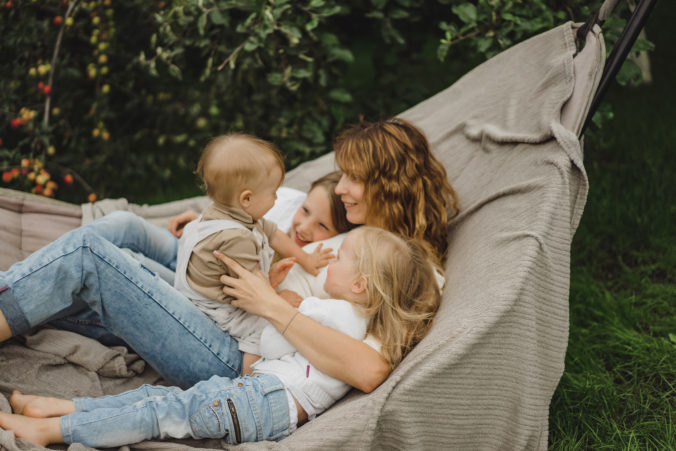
{"points": [[286, 247], [331, 352]]}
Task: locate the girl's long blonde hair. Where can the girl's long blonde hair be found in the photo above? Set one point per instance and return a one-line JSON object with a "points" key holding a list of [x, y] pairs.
{"points": [[403, 294], [405, 187]]}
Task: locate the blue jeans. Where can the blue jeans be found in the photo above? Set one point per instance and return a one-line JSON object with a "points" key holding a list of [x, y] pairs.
{"points": [[84, 282], [247, 409]]}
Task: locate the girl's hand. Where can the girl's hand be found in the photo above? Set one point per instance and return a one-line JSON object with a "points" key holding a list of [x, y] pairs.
{"points": [[252, 291], [317, 259], [279, 270], [177, 223]]}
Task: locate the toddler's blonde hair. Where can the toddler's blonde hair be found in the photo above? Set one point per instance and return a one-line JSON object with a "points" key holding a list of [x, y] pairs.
{"points": [[234, 162], [403, 294]]}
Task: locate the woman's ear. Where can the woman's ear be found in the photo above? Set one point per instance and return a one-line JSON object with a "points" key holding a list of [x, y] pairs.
{"points": [[245, 198]]}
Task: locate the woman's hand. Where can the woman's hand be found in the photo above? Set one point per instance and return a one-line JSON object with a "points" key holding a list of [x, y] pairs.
{"points": [[177, 223], [252, 291], [279, 270]]}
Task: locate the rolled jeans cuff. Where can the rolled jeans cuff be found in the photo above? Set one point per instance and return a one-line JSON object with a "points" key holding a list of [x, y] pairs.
{"points": [[18, 323]]}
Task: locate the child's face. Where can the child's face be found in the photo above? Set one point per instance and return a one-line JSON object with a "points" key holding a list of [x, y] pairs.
{"points": [[265, 195], [312, 221], [341, 272], [351, 193]]}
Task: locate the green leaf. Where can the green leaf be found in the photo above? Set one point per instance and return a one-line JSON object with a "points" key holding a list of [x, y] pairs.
{"points": [[217, 18], [483, 43], [641, 45], [466, 12], [672, 337], [340, 95], [629, 74], [338, 53], [292, 33], [378, 4], [511, 17], [442, 50], [275, 78], [201, 23], [399, 14]]}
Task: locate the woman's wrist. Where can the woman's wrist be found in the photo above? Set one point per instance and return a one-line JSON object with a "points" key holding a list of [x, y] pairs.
{"points": [[280, 313]]}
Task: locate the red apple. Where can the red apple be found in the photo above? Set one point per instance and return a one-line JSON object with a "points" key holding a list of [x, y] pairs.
{"points": [[15, 123], [58, 20], [47, 90], [68, 179]]}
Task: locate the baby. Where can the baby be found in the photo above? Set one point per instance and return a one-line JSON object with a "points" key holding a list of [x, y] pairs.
{"points": [[241, 174]]}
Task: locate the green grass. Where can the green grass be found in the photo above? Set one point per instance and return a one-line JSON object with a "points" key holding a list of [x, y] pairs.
{"points": [[619, 387]]}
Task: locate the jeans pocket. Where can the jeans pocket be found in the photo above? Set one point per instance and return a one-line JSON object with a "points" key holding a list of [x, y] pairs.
{"points": [[208, 422]]}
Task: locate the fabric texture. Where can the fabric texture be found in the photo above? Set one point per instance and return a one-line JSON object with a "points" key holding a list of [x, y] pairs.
{"points": [[484, 376]]}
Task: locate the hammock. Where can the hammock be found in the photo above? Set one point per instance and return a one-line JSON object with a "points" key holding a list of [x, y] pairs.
{"points": [[508, 135]]}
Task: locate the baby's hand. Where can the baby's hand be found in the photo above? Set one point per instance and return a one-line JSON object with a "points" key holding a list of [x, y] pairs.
{"points": [[317, 259], [279, 270]]}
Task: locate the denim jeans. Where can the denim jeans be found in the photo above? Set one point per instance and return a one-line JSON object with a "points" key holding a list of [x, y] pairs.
{"points": [[239, 410], [84, 282]]}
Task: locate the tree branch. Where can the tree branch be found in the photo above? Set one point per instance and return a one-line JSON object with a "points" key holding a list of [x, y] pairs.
{"points": [[57, 47]]}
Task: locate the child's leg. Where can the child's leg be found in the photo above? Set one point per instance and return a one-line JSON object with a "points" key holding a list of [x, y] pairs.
{"points": [[124, 399], [239, 410], [41, 431], [44, 406], [40, 406]]}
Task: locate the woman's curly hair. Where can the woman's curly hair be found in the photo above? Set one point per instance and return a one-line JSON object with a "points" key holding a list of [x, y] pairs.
{"points": [[405, 187]]}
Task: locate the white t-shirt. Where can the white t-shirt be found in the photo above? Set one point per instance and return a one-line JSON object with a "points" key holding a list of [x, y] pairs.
{"points": [[314, 391]]}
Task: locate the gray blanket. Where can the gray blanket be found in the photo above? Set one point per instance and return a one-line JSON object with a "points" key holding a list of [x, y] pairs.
{"points": [[484, 376]]}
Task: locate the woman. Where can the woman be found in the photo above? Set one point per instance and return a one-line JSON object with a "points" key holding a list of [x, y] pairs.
{"points": [[391, 180]]}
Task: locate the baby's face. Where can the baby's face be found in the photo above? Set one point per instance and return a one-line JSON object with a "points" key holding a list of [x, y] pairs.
{"points": [[313, 221], [265, 195]]}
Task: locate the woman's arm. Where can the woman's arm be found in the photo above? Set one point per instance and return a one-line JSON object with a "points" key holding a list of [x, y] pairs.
{"points": [[332, 352]]}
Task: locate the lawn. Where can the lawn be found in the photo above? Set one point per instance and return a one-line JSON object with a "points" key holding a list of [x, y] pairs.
{"points": [[619, 387]]}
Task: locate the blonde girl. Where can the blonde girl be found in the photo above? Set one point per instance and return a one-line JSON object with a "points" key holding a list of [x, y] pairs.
{"points": [[389, 286]]}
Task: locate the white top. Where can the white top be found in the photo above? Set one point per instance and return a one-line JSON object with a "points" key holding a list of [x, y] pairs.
{"points": [[314, 391]]}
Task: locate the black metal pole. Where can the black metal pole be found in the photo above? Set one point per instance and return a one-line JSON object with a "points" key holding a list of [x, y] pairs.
{"points": [[619, 53]]}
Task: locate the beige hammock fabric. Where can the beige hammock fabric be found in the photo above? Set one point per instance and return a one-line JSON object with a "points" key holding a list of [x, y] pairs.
{"points": [[484, 376]]}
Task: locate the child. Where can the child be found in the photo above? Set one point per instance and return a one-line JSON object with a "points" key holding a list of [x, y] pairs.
{"points": [[387, 279], [241, 174]]}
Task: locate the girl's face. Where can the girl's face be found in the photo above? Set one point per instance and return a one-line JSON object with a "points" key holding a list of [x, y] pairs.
{"points": [[341, 274], [351, 193], [312, 221]]}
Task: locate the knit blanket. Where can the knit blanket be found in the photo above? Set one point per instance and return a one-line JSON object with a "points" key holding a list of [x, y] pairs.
{"points": [[484, 376]]}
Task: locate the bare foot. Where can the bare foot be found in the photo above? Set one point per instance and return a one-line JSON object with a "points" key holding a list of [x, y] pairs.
{"points": [[41, 431], [40, 406]]}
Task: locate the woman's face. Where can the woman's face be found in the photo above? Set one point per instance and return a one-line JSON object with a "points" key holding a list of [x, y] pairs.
{"points": [[312, 221], [351, 193]]}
